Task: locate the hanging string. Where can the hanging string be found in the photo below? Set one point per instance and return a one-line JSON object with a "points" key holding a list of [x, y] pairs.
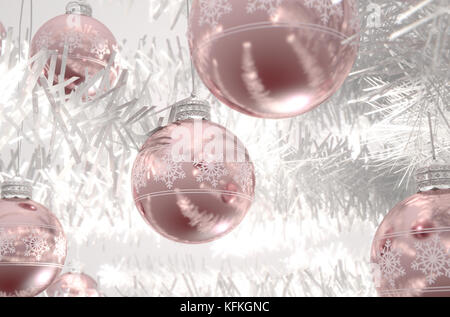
{"points": [[19, 148], [31, 24], [20, 30], [20, 131], [30, 33], [194, 93], [430, 126]]}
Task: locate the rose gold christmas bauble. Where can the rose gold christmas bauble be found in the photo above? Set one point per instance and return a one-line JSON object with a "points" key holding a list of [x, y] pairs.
{"points": [[273, 58], [73, 285], [32, 247], [2, 35], [193, 181], [90, 44], [411, 249]]}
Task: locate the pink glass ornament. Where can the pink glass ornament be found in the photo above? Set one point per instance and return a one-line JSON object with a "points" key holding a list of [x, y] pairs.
{"points": [[411, 249], [2, 35], [90, 44], [32, 244], [73, 285], [193, 181], [273, 58]]}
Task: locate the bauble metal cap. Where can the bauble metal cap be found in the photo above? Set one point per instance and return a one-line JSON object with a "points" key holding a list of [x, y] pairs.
{"points": [[191, 108], [79, 7], [434, 176], [16, 188]]}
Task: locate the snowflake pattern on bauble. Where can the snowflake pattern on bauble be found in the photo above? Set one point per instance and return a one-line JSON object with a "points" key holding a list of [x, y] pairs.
{"points": [[210, 172], [73, 41], [270, 6], [212, 10], [60, 246], [100, 46], [244, 176], [45, 40], [431, 259], [140, 173], [389, 263], [326, 9], [35, 246], [169, 171], [6, 245]]}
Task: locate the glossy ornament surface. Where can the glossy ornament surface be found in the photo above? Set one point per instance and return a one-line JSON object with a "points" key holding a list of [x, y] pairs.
{"points": [[411, 249], [273, 58], [73, 285], [32, 245], [193, 181], [90, 44]]}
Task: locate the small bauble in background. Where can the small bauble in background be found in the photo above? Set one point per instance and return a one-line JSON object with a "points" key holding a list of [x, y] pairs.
{"points": [[32, 243], [90, 44], [73, 284], [2, 35], [274, 58], [193, 180], [411, 249]]}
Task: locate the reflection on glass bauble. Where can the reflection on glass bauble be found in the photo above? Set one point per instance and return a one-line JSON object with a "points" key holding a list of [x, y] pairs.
{"points": [[411, 249], [193, 181], [89, 43], [274, 59]]}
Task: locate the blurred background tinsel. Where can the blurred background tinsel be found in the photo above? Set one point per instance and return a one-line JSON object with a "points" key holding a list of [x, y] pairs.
{"points": [[325, 179]]}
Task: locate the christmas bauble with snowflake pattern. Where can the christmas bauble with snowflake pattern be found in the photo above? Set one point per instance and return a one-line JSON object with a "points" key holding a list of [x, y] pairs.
{"points": [[32, 244], [73, 284], [89, 44], [274, 58], [193, 181], [411, 249]]}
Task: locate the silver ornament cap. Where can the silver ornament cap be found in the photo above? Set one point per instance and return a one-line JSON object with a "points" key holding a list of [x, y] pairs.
{"points": [[79, 7], [433, 176], [16, 188], [191, 108]]}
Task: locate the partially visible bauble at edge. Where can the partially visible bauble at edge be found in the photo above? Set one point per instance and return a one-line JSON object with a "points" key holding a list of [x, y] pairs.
{"points": [[2, 35], [411, 250], [188, 194], [74, 284], [90, 45], [32, 244], [274, 58]]}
